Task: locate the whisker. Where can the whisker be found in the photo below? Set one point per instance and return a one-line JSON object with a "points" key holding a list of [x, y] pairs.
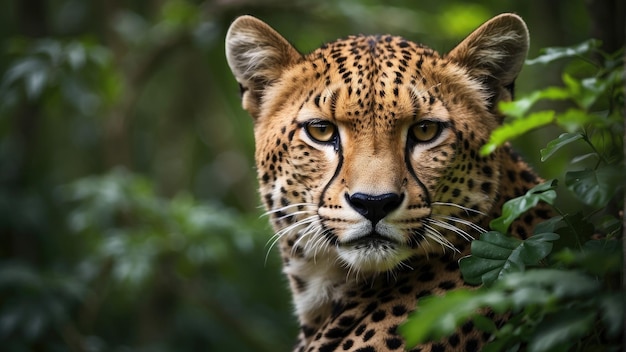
{"points": [[285, 208], [311, 229], [277, 236], [295, 213], [460, 207], [436, 236], [452, 228], [475, 227], [291, 227]]}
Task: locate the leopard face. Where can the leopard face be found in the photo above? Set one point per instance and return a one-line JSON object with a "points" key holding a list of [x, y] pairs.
{"points": [[374, 164], [367, 149]]}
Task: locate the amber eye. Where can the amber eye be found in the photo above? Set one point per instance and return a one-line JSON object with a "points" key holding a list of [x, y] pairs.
{"points": [[425, 131], [321, 131]]}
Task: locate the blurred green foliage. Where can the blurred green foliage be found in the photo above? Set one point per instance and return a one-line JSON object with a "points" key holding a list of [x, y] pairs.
{"points": [[129, 217]]}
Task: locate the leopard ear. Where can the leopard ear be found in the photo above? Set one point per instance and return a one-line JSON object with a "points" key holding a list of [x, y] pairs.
{"points": [[495, 53], [257, 56]]}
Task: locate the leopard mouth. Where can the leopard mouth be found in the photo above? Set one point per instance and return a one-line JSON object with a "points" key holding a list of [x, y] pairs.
{"points": [[373, 239]]}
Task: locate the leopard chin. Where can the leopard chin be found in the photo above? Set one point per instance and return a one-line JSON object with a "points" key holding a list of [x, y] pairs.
{"points": [[373, 254]]}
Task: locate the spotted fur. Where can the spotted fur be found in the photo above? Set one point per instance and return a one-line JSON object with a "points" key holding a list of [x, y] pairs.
{"points": [[368, 164]]}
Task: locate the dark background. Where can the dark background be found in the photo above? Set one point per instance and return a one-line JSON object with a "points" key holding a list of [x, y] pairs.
{"points": [[129, 218]]}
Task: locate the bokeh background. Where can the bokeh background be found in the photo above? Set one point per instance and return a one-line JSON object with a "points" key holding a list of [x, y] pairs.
{"points": [[129, 218]]}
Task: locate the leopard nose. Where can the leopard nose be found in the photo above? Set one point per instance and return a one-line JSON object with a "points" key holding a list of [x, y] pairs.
{"points": [[374, 207]]}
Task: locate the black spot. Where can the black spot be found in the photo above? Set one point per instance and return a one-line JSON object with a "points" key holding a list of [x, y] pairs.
{"points": [[447, 285], [366, 349], [346, 320], [454, 340], [405, 289], [542, 213], [300, 284], [316, 100], [398, 310], [338, 308], [487, 171], [378, 315], [368, 293], [334, 333], [426, 276], [422, 293], [452, 266], [371, 307], [438, 347], [351, 305], [467, 327], [347, 344], [528, 219], [359, 330], [486, 187], [307, 330], [329, 347], [511, 175], [471, 345], [528, 176], [368, 335], [385, 293], [393, 343]]}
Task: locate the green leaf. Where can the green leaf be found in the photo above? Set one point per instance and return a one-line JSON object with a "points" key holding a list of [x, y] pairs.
{"points": [[562, 284], [575, 230], [437, 317], [484, 324], [550, 225], [519, 107], [612, 312], [556, 144], [489, 258], [598, 257], [494, 255], [515, 207], [559, 331], [595, 187], [575, 119], [556, 53], [515, 129], [538, 247]]}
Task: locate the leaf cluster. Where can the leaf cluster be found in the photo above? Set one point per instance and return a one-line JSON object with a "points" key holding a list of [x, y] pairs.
{"points": [[558, 290]]}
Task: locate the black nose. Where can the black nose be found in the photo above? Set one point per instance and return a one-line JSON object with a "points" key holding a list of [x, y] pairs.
{"points": [[374, 208]]}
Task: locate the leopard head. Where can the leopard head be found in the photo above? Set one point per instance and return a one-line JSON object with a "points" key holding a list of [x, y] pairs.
{"points": [[367, 148]]}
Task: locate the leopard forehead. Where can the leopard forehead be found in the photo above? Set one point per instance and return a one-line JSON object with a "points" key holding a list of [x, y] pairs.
{"points": [[372, 83]]}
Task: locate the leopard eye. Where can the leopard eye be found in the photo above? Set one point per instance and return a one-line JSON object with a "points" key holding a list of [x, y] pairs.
{"points": [[321, 131], [425, 131]]}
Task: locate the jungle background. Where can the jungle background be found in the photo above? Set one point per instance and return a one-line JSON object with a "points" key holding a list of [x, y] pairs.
{"points": [[129, 217]]}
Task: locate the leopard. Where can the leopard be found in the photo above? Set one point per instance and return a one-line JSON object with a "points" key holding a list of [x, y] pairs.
{"points": [[367, 151]]}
